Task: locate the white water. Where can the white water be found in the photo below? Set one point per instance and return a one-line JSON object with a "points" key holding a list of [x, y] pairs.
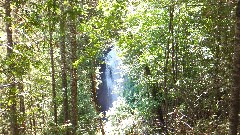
{"points": [[114, 75]]}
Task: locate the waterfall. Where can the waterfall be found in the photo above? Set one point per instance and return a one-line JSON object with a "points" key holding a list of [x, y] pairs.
{"points": [[114, 74], [112, 78], [117, 113]]}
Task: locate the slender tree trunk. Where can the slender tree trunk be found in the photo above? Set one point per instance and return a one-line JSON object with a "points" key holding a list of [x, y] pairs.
{"points": [[165, 84], [34, 124], [234, 101], [94, 95], [22, 122], [43, 107], [51, 25], [94, 85], [166, 64], [22, 108], [94, 90], [53, 74], [217, 85], [173, 44], [31, 125], [33, 120], [10, 78], [94, 98], [176, 57], [73, 43], [64, 69]]}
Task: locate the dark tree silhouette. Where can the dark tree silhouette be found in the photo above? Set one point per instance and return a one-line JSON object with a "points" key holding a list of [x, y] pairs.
{"points": [[234, 105]]}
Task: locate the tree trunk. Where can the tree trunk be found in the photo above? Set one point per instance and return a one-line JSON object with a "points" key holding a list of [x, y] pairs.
{"points": [[73, 43], [94, 85], [166, 66], [53, 71], [217, 63], [94, 90], [64, 69], [157, 110], [34, 124], [94, 95], [22, 108], [12, 90], [234, 101], [173, 44]]}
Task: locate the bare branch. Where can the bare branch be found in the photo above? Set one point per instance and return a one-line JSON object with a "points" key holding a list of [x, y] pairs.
{"points": [[8, 85]]}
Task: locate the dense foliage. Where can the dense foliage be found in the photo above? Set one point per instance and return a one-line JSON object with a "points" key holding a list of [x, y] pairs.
{"points": [[178, 59]]}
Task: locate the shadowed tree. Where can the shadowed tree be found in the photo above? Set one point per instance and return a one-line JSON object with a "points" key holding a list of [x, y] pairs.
{"points": [[74, 79], [63, 67], [11, 78], [234, 103], [51, 26]]}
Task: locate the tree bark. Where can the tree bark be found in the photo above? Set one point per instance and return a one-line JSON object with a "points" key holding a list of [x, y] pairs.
{"points": [[234, 101], [73, 43], [167, 51], [12, 90], [22, 108], [217, 62], [53, 69], [173, 44], [64, 69], [94, 94], [94, 90]]}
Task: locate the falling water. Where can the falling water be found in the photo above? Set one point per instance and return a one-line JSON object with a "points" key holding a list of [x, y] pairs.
{"points": [[117, 118], [112, 80], [114, 74]]}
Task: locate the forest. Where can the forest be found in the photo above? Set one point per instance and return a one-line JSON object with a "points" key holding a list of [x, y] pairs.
{"points": [[119, 67]]}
